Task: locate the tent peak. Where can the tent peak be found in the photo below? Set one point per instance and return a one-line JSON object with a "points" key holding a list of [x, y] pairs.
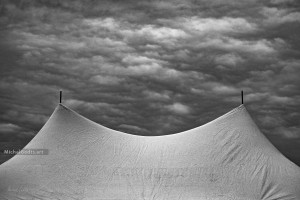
{"points": [[63, 106]]}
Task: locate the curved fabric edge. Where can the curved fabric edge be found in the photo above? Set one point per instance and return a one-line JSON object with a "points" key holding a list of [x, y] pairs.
{"points": [[234, 111]]}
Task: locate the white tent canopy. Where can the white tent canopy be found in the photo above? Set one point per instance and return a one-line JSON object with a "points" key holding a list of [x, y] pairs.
{"points": [[227, 158]]}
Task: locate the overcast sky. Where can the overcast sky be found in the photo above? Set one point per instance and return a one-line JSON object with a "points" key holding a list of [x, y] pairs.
{"points": [[151, 67]]}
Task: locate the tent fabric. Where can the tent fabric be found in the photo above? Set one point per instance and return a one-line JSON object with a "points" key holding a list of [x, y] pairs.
{"points": [[225, 159]]}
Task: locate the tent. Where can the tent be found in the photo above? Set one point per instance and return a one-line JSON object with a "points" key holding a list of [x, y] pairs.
{"points": [[226, 159]]}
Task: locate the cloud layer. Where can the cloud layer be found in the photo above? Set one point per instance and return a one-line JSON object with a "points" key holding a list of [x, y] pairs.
{"points": [[151, 67]]}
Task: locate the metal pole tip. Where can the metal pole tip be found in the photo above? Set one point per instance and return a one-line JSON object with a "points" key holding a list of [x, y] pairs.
{"points": [[60, 96], [242, 96]]}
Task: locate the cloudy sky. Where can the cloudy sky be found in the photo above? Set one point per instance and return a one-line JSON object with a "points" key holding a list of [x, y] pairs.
{"points": [[151, 67]]}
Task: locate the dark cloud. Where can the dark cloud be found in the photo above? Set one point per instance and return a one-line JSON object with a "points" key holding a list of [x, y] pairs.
{"points": [[151, 67]]}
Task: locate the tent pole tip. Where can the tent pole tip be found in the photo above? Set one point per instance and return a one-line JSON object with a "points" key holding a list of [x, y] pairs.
{"points": [[60, 96], [242, 96]]}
